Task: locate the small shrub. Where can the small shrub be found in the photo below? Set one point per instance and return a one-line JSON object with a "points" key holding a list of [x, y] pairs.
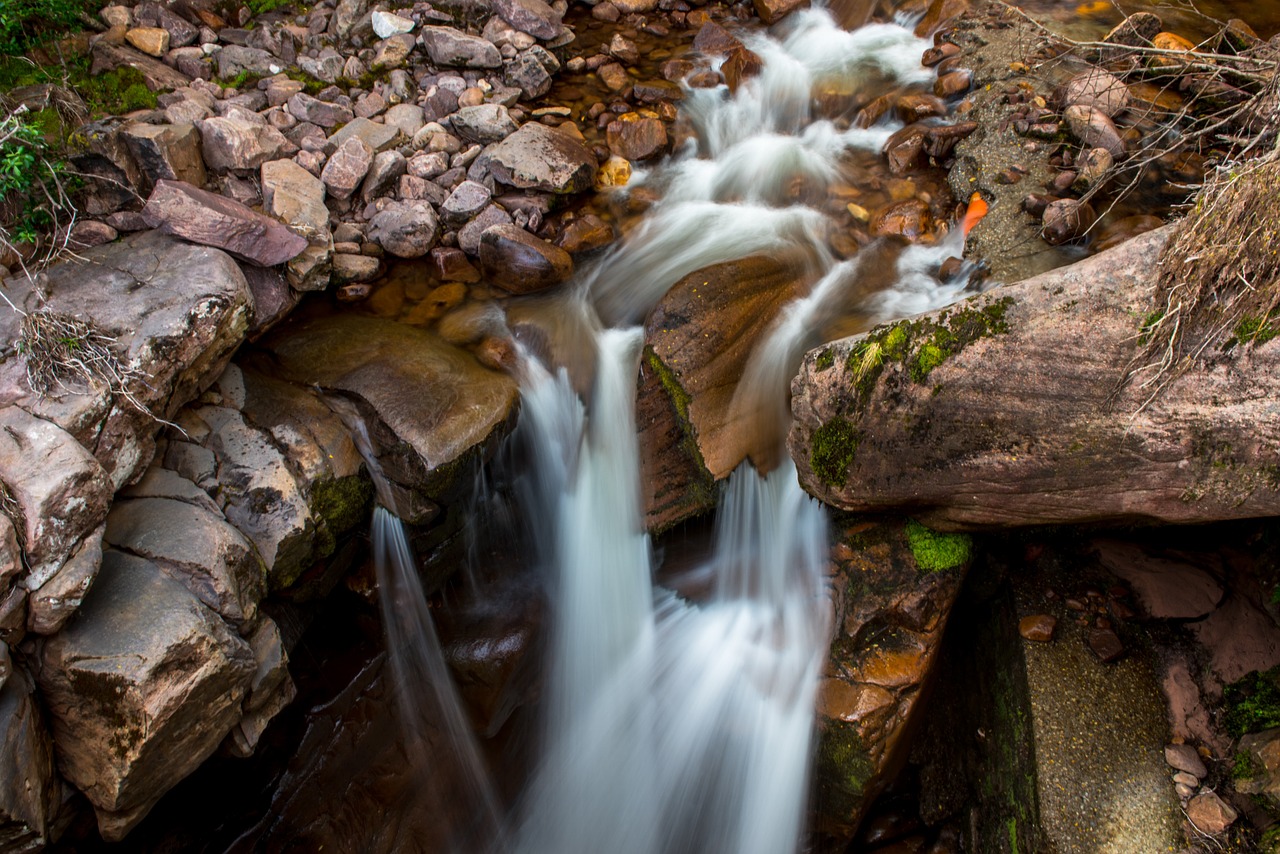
{"points": [[26, 23], [33, 195]]}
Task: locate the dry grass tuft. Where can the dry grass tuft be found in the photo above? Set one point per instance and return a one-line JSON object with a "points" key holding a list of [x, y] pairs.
{"points": [[64, 353]]}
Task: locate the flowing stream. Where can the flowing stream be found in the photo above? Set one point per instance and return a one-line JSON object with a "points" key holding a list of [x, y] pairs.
{"points": [[672, 726]]}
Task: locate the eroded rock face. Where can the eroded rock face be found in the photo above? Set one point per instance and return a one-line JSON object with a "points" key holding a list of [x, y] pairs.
{"points": [[892, 589], [29, 790], [140, 689], [1055, 441]]}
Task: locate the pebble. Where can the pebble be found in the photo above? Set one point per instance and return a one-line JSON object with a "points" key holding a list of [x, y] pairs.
{"points": [[1038, 627], [1105, 644], [1186, 779], [1210, 814]]}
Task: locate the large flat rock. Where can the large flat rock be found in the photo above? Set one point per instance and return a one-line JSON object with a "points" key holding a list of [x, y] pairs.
{"points": [[1007, 409], [429, 403]]}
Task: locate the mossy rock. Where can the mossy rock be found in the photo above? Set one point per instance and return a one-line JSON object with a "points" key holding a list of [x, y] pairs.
{"points": [[936, 551]]}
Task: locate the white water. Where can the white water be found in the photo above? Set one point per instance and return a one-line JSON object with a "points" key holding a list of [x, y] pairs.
{"points": [[673, 727]]}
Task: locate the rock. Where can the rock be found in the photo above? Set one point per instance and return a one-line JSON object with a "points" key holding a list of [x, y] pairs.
{"points": [[116, 16], [469, 234], [386, 25], [432, 403], [346, 168], [585, 234], [953, 83], [614, 76], [155, 74], [50, 606], [521, 263], [1105, 644], [29, 786], [62, 492], [384, 175], [148, 671], [405, 229], [232, 143], [328, 66], [196, 548], [636, 137], [150, 40], [531, 71], [234, 60], [1117, 231], [261, 496], [1183, 757], [909, 219], [1166, 587], [1096, 89], [466, 200], [538, 158], [406, 118], [772, 11], [938, 14], [1137, 30], [181, 32], [867, 695], [305, 108], [531, 16], [271, 297], [484, 124], [270, 690], [354, 268], [1210, 814], [1038, 627], [1093, 167], [296, 197], [1094, 129], [377, 136], [166, 152], [450, 48], [1066, 220], [905, 149], [392, 52], [212, 220], [176, 312], [88, 233]]}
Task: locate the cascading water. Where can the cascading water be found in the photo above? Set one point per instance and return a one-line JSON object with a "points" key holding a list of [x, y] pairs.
{"points": [[670, 726]]}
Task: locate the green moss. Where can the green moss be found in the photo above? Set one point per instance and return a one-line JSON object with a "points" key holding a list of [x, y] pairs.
{"points": [[832, 449], [1243, 766], [698, 491], [844, 769], [240, 81], [1254, 330], [929, 357], [1013, 835], [342, 502], [1149, 323], [310, 85], [1253, 702], [824, 360], [935, 551], [895, 341]]}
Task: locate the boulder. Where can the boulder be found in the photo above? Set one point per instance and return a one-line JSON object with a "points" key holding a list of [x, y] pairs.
{"points": [[346, 167], [169, 152], [636, 137], [140, 689], [429, 403], [772, 11], [383, 176], [386, 24], [466, 200], [1066, 220], [157, 76], [52, 604], [450, 48], [933, 420], [29, 787], [392, 53], [1095, 129], [234, 60], [213, 220], [531, 71], [484, 123], [538, 158], [152, 41], [378, 136], [294, 196], [324, 114], [520, 262]]}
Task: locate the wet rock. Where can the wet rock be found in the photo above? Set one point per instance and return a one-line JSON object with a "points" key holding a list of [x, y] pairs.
{"points": [[29, 787], [484, 124], [953, 83], [585, 234], [614, 77], [905, 149], [166, 152], [521, 263], [531, 16], [1097, 89], [1094, 129], [1210, 814], [909, 219], [1184, 757], [1038, 627], [469, 234], [916, 106], [939, 140], [234, 143], [1105, 644], [1137, 30], [270, 689], [449, 47], [349, 268], [938, 13], [771, 11], [1093, 167], [1066, 220], [212, 220], [1120, 230], [152, 673], [405, 229], [432, 403], [636, 137], [538, 158]]}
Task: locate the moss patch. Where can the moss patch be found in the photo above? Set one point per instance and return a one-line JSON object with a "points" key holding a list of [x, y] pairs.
{"points": [[339, 505], [831, 451], [844, 769], [1253, 702], [935, 551]]}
